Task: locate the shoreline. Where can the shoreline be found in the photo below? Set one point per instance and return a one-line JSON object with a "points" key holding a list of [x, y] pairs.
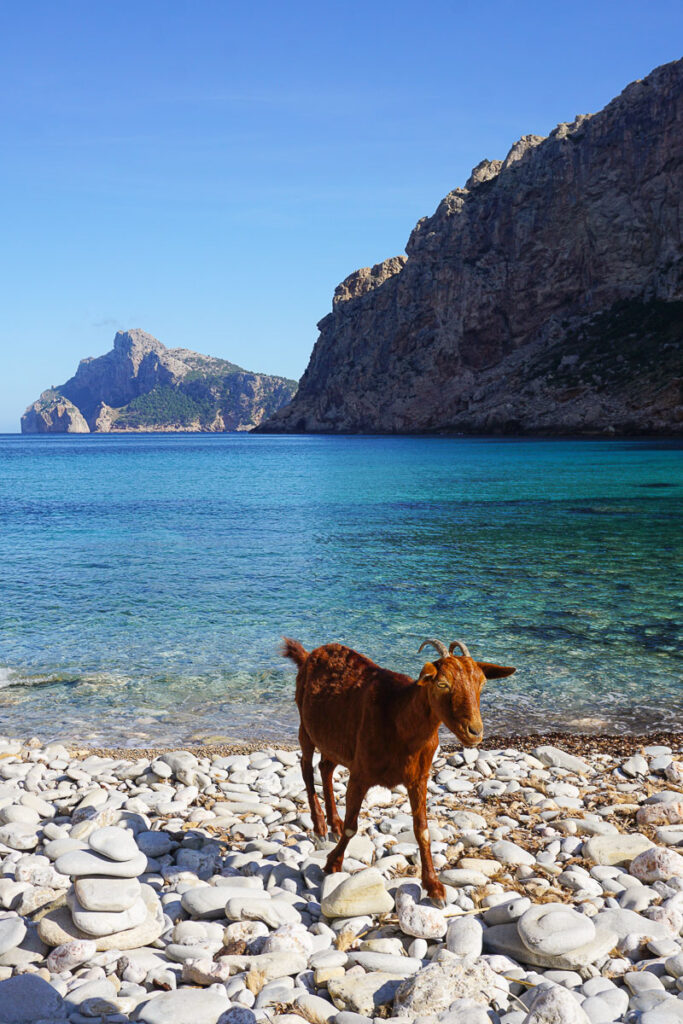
{"points": [[606, 435], [573, 743]]}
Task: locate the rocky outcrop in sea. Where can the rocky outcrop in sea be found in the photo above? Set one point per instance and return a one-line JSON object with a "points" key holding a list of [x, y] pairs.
{"points": [[142, 385], [546, 296]]}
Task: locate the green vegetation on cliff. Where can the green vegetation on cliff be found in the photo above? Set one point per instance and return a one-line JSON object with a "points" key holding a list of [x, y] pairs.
{"points": [[166, 406]]}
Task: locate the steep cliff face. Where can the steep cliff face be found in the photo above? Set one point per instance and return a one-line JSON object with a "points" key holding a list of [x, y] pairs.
{"points": [[142, 385], [546, 296], [53, 414]]}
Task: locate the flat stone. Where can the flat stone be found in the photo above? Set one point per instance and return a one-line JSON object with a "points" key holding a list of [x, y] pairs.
{"points": [[17, 812], [270, 966], [360, 848], [556, 758], [112, 895], [465, 1011], [116, 843], [30, 951], [657, 864], [458, 877], [616, 849], [553, 1004], [315, 1009], [98, 923], [28, 998], [98, 995], [185, 1006], [19, 836], [289, 938], [206, 972], [552, 928], [628, 922], [275, 992], [56, 847], [86, 862], [432, 990], [207, 902], [668, 1011], [486, 865], [272, 912], [510, 853], [504, 939], [586, 826], [58, 927], [364, 994], [467, 821], [669, 812], [154, 844], [507, 911], [70, 955], [422, 922], [12, 932], [399, 966], [179, 760], [671, 835], [362, 893], [464, 937], [202, 950]]}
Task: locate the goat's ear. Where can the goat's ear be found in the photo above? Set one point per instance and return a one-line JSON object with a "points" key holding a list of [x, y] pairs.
{"points": [[495, 671], [428, 673]]}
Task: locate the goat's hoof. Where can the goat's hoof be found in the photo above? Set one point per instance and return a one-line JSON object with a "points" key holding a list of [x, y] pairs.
{"points": [[439, 902], [319, 842], [335, 836], [437, 894]]}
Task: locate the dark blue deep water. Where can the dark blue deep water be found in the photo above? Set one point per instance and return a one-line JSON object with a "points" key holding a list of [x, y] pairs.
{"points": [[145, 580]]}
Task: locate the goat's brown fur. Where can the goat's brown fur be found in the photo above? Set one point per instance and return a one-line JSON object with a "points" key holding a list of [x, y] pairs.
{"points": [[383, 727]]}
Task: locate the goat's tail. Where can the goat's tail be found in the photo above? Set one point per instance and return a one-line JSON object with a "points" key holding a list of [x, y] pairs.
{"points": [[294, 650]]}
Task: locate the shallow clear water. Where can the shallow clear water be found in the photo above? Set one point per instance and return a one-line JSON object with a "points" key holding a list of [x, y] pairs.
{"points": [[145, 580]]}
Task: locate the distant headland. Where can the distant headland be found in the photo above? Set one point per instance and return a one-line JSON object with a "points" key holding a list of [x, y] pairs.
{"points": [[140, 385]]}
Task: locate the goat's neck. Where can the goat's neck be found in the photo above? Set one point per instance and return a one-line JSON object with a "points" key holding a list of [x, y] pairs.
{"points": [[416, 722]]}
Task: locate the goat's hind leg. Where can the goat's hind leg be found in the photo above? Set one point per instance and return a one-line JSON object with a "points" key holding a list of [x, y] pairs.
{"points": [[355, 794], [307, 749], [335, 822]]}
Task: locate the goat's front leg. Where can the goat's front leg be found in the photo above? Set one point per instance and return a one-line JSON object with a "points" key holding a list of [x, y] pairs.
{"points": [[326, 773], [417, 793], [355, 794]]}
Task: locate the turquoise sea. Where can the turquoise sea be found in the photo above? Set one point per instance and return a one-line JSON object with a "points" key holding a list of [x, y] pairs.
{"points": [[145, 580]]}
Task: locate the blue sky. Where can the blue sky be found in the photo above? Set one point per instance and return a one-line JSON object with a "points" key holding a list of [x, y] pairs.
{"points": [[209, 171]]}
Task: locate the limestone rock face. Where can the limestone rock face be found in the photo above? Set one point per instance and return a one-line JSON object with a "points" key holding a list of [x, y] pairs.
{"points": [[53, 414], [545, 297], [142, 385]]}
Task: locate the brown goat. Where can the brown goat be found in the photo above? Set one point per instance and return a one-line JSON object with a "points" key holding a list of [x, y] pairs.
{"points": [[383, 727]]}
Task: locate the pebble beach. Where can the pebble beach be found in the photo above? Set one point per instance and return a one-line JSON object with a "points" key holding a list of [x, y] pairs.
{"points": [[175, 886]]}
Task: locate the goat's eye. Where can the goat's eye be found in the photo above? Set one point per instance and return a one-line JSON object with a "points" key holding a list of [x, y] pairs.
{"points": [[441, 684]]}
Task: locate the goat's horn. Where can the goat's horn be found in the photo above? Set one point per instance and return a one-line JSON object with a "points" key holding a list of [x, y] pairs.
{"points": [[460, 644], [441, 648]]}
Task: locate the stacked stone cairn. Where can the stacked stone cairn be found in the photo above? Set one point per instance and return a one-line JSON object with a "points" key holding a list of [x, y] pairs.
{"points": [[106, 902]]}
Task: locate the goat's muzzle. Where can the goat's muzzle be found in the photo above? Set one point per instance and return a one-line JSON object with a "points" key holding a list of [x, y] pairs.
{"points": [[474, 733]]}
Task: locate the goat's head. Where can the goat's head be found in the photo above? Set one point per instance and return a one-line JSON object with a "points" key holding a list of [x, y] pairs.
{"points": [[454, 687]]}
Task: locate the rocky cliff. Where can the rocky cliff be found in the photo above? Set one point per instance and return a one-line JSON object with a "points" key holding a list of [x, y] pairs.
{"points": [[546, 296], [142, 385]]}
